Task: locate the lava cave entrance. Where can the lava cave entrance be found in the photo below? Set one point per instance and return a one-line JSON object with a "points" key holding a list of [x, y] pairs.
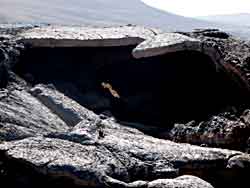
{"points": [[175, 87]]}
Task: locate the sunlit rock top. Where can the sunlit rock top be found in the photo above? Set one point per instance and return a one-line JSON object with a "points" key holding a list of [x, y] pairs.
{"points": [[69, 36]]}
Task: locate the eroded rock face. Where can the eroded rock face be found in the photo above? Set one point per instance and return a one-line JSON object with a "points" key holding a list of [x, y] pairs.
{"points": [[173, 42], [219, 131], [3, 76], [50, 138], [165, 43], [213, 33], [120, 153], [239, 161], [98, 152], [3, 70], [227, 130], [143, 98], [9, 55], [68, 110], [234, 51], [22, 115]]}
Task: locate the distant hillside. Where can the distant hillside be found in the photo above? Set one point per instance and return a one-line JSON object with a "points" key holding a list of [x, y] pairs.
{"points": [[242, 19], [107, 13], [94, 12]]}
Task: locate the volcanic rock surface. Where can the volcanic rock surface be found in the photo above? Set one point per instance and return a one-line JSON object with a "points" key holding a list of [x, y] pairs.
{"points": [[77, 109]]}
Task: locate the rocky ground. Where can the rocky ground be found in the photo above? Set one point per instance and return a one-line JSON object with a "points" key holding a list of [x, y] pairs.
{"points": [[227, 128], [58, 129]]}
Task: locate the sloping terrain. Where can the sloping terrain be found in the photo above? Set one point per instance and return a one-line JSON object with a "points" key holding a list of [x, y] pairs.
{"points": [[107, 13], [94, 12]]}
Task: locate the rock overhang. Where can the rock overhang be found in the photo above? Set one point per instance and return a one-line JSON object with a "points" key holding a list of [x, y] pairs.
{"points": [[111, 54], [166, 43], [147, 42], [52, 155], [65, 36]]}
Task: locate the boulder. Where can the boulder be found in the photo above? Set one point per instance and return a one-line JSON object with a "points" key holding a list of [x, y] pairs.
{"points": [[218, 131], [240, 161], [180, 182], [212, 33], [245, 117], [64, 107], [22, 115]]}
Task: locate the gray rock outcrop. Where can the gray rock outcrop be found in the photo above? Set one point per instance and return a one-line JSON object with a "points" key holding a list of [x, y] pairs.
{"points": [[173, 42], [22, 115], [49, 137], [65, 36], [219, 131], [97, 152]]}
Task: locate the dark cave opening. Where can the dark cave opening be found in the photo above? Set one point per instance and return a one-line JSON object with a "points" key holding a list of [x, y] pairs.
{"points": [[162, 90]]}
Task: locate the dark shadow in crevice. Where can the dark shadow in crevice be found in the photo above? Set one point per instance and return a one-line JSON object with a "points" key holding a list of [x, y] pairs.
{"points": [[176, 87]]}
